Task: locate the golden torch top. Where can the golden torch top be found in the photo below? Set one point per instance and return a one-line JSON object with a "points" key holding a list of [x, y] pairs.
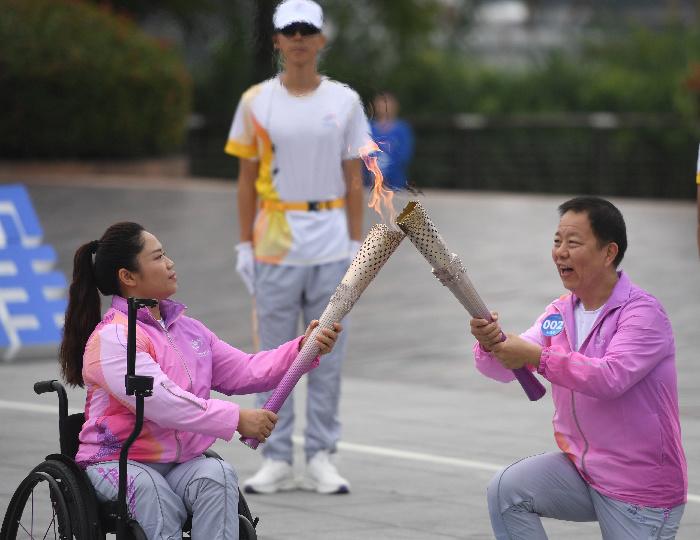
{"points": [[380, 243], [420, 229]]}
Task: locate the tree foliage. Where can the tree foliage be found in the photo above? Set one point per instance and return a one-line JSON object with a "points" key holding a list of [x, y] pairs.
{"points": [[76, 80]]}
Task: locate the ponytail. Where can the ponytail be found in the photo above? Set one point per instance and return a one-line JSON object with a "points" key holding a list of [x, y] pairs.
{"points": [[118, 248], [82, 315]]}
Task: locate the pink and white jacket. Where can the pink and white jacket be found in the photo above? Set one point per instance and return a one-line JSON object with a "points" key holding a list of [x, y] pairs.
{"points": [[187, 361], [616, 399]]}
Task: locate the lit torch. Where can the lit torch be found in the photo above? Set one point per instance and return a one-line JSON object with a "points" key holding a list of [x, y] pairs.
{"points": [[378, 246], [380, 197], [448, 268]]}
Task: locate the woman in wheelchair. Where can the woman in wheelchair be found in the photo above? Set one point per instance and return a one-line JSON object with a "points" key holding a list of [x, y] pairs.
{"points": [[167, 476]]}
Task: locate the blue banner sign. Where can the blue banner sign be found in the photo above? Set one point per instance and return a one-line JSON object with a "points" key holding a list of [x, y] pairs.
{"points": [[32, 294]]}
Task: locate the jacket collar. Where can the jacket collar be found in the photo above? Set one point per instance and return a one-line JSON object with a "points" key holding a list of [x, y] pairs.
{"points": [[170, 310], [567, 303], [620, 294]]}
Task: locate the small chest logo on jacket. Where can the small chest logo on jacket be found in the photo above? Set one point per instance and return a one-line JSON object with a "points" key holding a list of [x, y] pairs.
{"points": [[197, 346]]}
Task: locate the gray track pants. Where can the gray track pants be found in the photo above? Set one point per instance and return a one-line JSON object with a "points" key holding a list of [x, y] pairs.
{"points": [[161, 495], [548, 485], [283, 295]]}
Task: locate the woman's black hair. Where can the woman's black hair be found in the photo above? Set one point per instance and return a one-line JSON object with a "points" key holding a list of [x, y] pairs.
{"points": [[118, 248], [606, 221]]}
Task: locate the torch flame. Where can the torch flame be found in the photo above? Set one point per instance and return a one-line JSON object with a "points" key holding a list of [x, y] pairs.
{"points": [[381, 199]]}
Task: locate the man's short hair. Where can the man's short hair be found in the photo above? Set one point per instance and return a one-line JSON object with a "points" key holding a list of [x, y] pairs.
{"points": [[606, 221]]}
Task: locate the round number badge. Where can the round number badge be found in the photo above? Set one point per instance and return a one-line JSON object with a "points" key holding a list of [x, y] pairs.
{"points": [[552, 325]]}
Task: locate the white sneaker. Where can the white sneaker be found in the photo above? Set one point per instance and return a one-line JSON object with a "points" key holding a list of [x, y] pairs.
{"points": [[273, 476], [322, 475]]}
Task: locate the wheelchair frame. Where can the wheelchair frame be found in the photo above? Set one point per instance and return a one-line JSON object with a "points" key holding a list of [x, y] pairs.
{"points": [[76, 510]]}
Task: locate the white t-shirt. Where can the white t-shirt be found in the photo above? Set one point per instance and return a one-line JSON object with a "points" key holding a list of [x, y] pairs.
{"points": [[300, 142], [584, 322]]}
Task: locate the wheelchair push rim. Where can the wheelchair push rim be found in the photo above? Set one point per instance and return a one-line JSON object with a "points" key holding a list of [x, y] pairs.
{"points": [[48, 504], [38, 509]]}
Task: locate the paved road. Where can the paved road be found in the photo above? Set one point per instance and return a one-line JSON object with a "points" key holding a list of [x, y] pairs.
{"points": [[423, 431]]}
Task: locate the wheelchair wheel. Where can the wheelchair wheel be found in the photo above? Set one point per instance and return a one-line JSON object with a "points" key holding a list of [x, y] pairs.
{"points": [[48, 504], [243, 508], [246, 522], [246, 530]]}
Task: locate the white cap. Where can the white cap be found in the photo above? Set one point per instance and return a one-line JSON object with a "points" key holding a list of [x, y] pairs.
{"points": [[298, 11]]}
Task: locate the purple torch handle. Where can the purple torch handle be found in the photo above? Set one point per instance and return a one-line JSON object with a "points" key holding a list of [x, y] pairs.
{"points": [[301, 365], [533, 388]]}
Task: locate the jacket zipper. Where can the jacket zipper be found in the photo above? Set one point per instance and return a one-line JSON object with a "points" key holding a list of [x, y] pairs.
{"points": [[585, 441], [595, 326], [177, 433], [573, 401], [182, 359], [189, 376], [172, 344]]}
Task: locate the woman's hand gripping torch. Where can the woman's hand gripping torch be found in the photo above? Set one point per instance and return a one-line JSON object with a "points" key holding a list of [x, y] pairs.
{"points": [[448, 268], [378, 246]]}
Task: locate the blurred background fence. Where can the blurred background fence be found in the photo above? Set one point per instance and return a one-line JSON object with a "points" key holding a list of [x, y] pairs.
{"points": [[603, 153]]}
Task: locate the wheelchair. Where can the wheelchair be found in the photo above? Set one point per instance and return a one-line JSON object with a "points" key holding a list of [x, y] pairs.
{"points": [[57, 500]]}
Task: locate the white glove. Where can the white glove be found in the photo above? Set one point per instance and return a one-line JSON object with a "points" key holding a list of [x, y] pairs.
{"points": [[245, 265], [354, 248]]}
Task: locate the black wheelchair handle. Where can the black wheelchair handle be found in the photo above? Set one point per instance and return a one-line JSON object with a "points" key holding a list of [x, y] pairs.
{"points": [[41, 387]]}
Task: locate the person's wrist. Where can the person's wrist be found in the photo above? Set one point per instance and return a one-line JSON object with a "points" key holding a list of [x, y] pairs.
{"points": [[534, 359]]}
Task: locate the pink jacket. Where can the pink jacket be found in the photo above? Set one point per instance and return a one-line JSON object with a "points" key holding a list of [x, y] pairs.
{"points": [[616, 400], [187, 361]]}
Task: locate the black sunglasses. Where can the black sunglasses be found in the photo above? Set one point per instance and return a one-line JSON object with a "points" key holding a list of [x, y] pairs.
{"points": [[305, 29]]}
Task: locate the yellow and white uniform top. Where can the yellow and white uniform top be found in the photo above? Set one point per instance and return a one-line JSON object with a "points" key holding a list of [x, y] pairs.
{"points": [[300, 142]]}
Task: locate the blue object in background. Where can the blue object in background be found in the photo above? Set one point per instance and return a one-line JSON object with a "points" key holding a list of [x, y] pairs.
{"points": [[32, 294], [395, 140]]}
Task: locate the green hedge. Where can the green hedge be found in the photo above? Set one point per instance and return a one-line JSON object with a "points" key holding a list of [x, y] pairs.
{"points": [[79, 81]]}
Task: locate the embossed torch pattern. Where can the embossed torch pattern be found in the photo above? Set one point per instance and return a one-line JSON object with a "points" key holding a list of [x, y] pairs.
{"points": [[448, 268], [378, 246]]}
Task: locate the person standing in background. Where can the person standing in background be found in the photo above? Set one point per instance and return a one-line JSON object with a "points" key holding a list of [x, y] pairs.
{"points": [[300, 208], [394, 138]]}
